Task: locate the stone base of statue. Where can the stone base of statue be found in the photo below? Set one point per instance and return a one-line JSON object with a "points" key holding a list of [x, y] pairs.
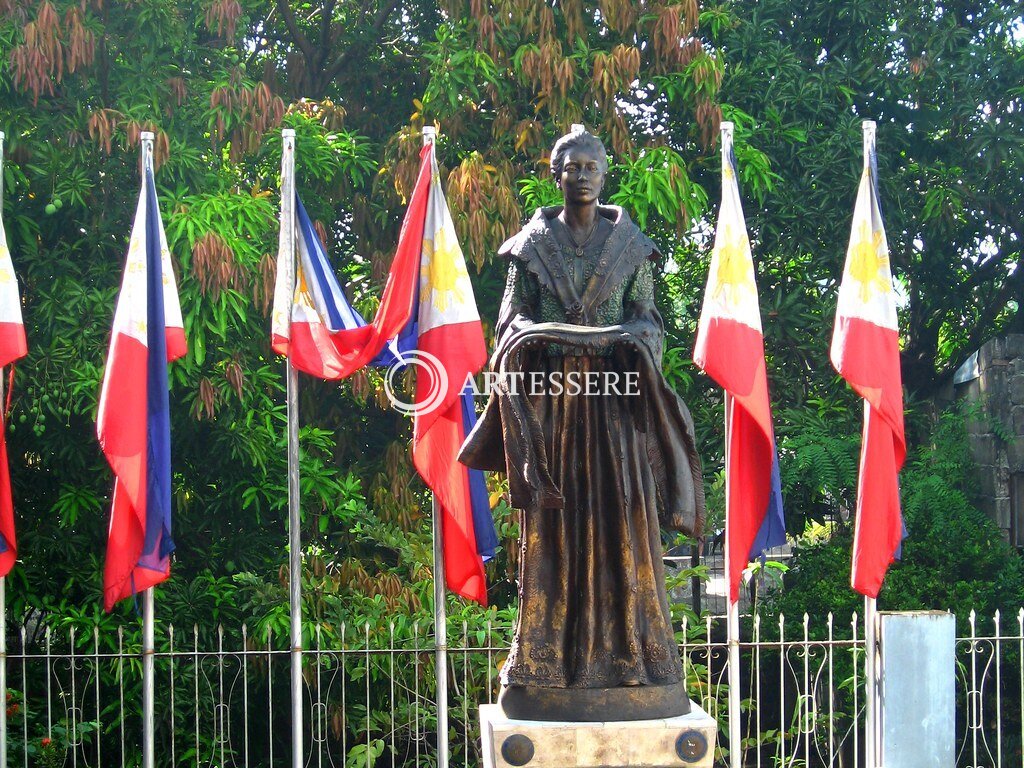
{"points": [[686, 741], [594, 705]]}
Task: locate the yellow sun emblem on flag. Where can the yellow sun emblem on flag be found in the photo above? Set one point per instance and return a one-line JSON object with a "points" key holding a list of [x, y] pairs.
{"points": [[444, 270], [868, 259], [734, 268], [302, 296]]}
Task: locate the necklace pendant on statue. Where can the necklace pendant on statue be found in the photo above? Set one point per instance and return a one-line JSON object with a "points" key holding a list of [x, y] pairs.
{"points": [[579, 251]]}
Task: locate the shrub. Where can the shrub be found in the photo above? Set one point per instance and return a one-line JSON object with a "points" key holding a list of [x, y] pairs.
{"points": [[954, 557]]}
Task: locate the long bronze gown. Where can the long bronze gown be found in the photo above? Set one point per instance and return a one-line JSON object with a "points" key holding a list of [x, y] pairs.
{"points": [[594, 475]]}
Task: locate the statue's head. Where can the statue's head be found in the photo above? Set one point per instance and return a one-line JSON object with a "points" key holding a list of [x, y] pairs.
{"points": [[582, 139], [579, 163]]}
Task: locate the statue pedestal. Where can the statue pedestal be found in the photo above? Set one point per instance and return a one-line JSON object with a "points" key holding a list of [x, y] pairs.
{"points": [[687, 741]]}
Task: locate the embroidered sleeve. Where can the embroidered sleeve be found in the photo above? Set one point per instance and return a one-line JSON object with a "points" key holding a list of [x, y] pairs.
{"points": [[641, 288], [519, 304], [640, 313]]}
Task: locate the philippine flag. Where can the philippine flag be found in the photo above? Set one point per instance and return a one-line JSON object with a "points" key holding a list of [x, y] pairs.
{"points": [[452, 348], [866, 352], [320, 332], [730, 349], [313, 323], [133, 424], [309, 320], [12, 347]]}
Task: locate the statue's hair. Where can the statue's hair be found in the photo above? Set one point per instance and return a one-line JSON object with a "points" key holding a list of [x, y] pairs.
{"points": [[583, 139]]}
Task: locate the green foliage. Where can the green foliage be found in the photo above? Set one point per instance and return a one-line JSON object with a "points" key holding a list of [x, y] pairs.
{"points": [[818, 456], [71, 185], [657, 181], [938, 79], [538, 192], [47, 744], [458, 74], [954, 557]]}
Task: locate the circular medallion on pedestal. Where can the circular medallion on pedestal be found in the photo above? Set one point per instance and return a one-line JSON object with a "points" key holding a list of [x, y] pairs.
{"points": [[691, 746], [517, 749]]}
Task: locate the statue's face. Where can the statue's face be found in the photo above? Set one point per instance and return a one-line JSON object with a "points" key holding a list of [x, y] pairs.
{"points": [[582, 176]]}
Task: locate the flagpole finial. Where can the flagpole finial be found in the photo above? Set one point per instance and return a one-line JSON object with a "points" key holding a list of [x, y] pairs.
{"points": [[726, 129], [287, 133], [577, 128], [429, 134], [146, 149], [868, 129]]}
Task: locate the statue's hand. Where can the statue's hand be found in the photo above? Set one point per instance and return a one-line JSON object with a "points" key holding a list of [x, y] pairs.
{"points": [[584, 337], [581, 336]]}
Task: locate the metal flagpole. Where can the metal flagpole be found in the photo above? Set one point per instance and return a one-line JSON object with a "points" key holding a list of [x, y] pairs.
{"points": [[733, 608], [294, 532], [3, 579], [871, 683], [440, 614], [733, 632], [732, 617], [148, 650], [870, 604], [440, 640], [148, 682]]}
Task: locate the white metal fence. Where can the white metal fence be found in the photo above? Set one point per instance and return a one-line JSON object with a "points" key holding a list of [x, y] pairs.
{"points": [[222, 695]]}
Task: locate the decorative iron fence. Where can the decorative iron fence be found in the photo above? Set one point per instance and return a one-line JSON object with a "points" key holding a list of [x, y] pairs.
{"points": [[74, 698]]}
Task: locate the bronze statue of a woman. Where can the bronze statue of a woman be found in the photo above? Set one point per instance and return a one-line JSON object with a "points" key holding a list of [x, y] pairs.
{"points": [[595, 467]]}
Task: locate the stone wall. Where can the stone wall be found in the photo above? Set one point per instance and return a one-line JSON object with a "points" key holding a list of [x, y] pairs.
{"points": [[997, 432]]}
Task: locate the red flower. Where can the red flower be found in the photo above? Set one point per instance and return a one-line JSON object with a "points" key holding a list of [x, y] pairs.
{"points": [[45, 741]]}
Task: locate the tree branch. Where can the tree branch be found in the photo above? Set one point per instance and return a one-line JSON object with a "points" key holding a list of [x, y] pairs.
{"points": [[325, 26], [986, 269], [293, 29], [383, 13]]}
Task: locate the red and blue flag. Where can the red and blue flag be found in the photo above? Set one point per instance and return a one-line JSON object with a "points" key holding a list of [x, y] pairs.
{"points": [[12, 347], [451, 337], [428, 311], [730, 349], [866, 352], [133, 423], [314, 324]]}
